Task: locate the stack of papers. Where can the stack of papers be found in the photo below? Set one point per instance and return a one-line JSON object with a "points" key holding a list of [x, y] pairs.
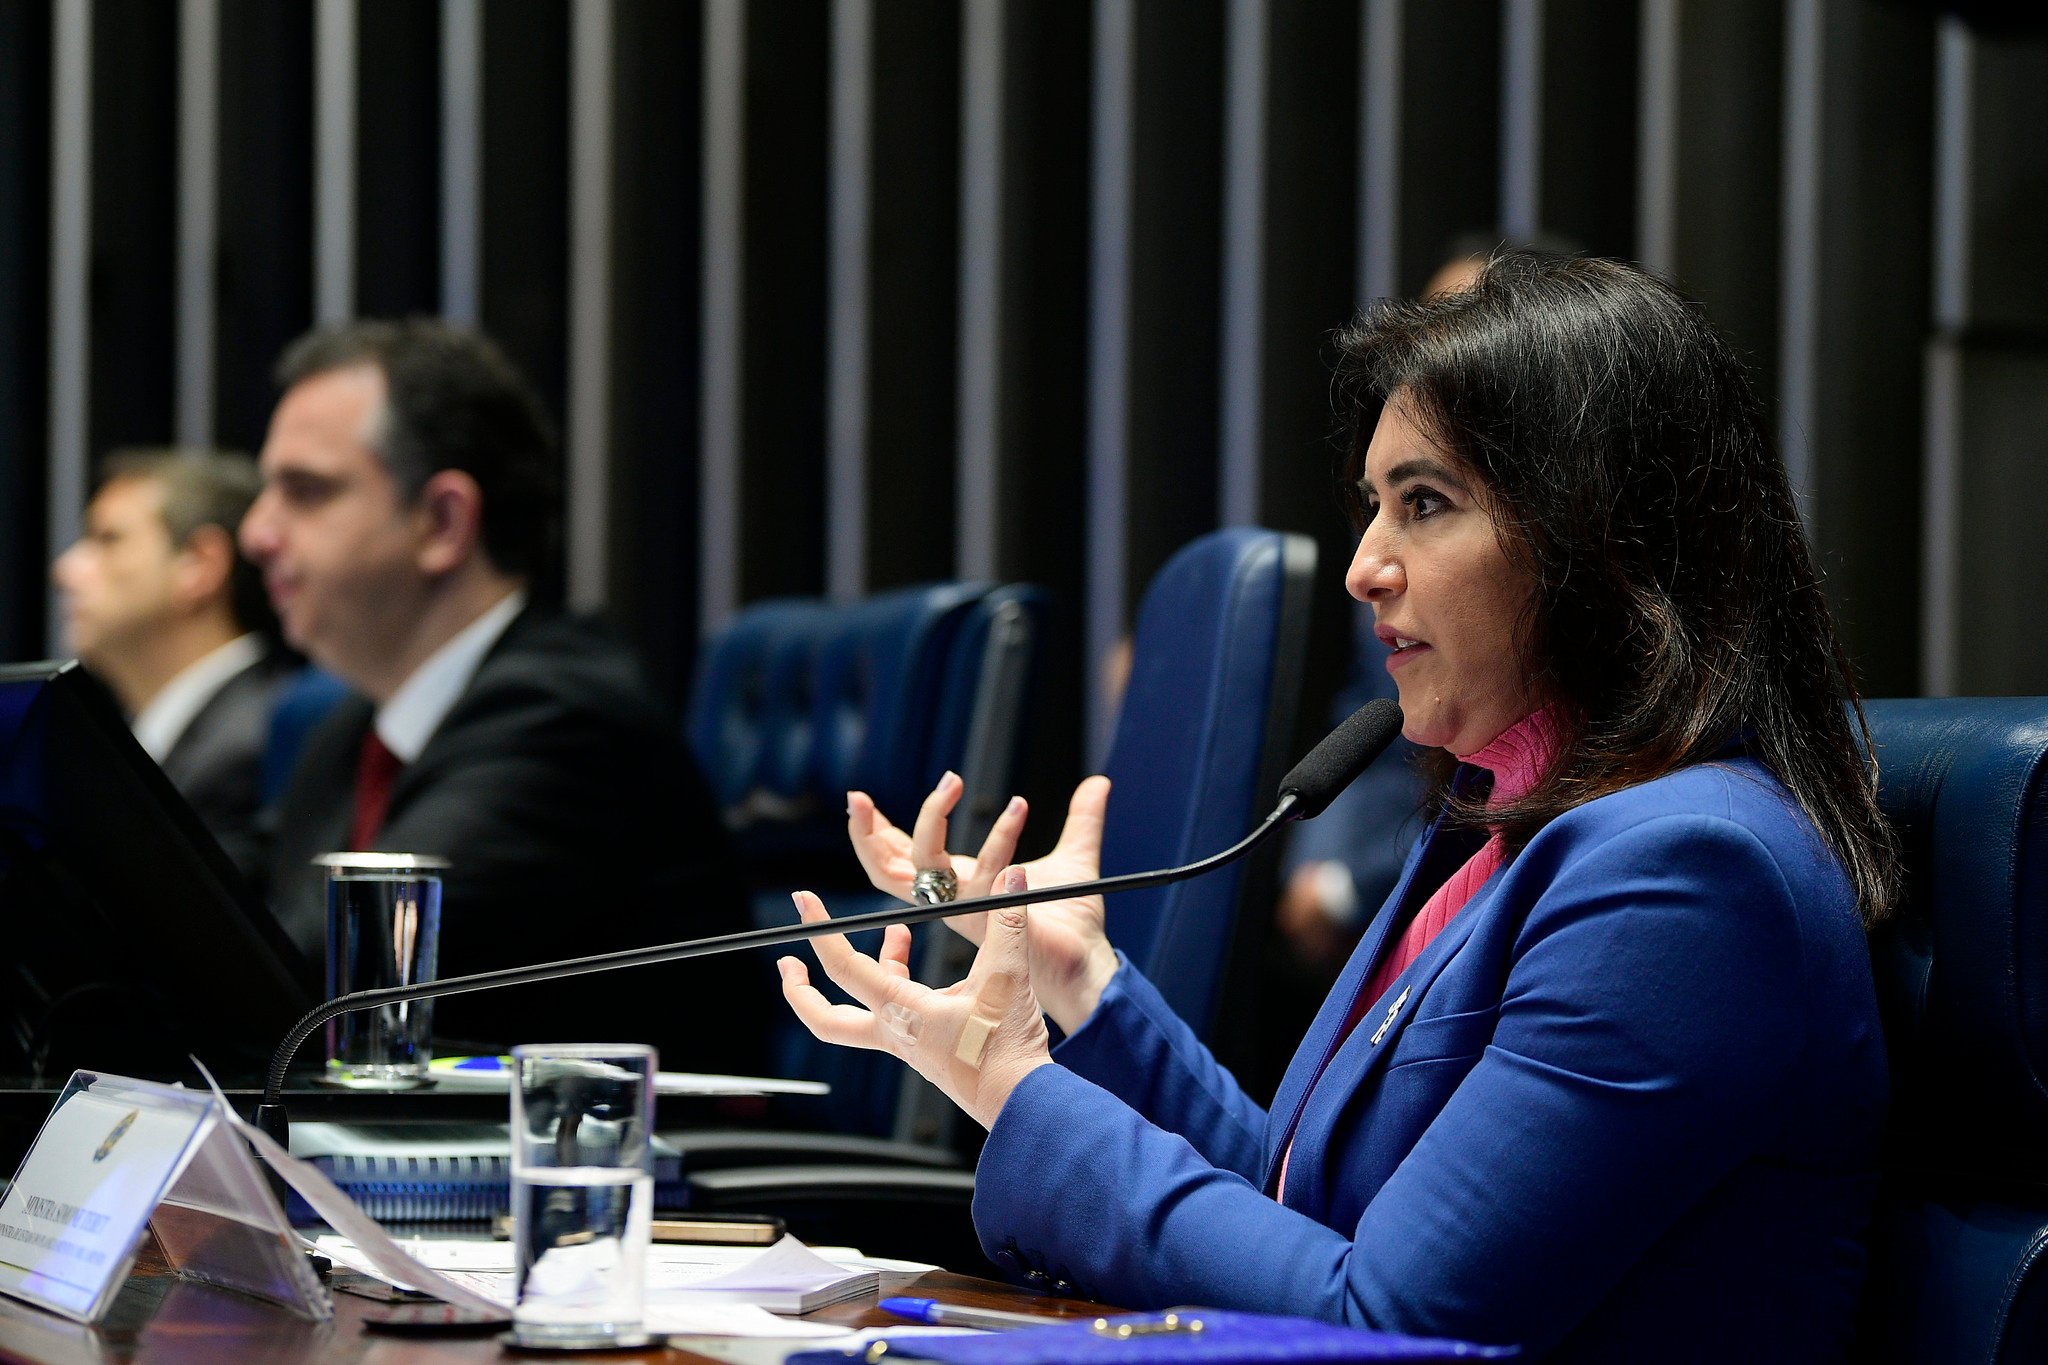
{"points": [[788, 1277], [723, 1290], [691, 1290]]}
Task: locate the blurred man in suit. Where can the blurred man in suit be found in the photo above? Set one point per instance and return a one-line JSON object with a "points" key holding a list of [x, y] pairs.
{"points": [[159, 606], [406, 532]]}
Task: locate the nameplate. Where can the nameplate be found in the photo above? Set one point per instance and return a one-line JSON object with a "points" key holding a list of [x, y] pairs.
{"points": [[117, 1154]]}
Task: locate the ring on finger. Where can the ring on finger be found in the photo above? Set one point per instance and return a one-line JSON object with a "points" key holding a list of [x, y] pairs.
{"points": [[935, 886]]}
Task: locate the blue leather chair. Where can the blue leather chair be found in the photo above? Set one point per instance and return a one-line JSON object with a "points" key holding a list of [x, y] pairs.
{"points": [[1959, 1249], [1201, 742], [751, 713], [882, 680], [985, 713], [302, 705], [800, 700]]}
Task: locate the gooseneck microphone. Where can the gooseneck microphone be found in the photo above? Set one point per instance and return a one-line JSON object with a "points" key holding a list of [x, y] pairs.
{"points": [[1309, 787]]}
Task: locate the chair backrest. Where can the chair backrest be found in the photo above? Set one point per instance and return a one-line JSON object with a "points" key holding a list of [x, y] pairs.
{"points": [[980, 727], [1201, 738], [800, 700], [1959, 1252], [882, 682], [302, 704], [751, 712]]}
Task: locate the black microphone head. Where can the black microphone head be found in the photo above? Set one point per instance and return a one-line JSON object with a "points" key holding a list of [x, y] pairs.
{"points": [[1344, 753]]}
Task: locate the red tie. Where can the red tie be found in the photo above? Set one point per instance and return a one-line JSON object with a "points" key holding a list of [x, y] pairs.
{"points": [[376, 772]]}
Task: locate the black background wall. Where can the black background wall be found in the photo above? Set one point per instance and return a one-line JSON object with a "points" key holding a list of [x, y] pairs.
{"points": [[832, 295]]}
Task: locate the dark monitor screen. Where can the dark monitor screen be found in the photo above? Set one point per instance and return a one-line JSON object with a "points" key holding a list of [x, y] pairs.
{"points": [[127, 938]]}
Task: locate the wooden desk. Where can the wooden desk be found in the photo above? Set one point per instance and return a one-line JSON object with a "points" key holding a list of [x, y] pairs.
{"points": [[160, 1320]]}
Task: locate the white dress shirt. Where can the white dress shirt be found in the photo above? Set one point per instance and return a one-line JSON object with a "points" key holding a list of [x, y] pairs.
{"points": [[423, 701], [159, 725]]}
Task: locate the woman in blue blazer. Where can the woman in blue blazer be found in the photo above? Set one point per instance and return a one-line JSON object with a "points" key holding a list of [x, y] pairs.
{"points": [[1604, 1079]]}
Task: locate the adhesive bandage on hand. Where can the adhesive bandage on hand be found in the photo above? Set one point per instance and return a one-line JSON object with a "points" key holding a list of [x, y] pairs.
{"points": [[990, 1008]]}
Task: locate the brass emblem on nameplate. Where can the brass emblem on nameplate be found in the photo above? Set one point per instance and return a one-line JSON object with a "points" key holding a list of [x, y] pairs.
{"points": [[106, 1147]]}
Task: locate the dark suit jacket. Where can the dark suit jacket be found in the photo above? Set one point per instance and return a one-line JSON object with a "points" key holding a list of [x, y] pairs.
{"points": [[217, 763], [576, 823]]}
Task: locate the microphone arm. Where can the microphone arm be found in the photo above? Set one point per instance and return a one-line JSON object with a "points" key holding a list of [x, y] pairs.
{"points": [[270, 1113], [1304, 792]]}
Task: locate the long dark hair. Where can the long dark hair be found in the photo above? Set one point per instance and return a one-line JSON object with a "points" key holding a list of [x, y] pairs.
{"points": [[1624, 457]]}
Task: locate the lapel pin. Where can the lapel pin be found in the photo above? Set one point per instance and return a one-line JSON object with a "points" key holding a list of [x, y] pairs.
{"points": [[1392, 1010]]}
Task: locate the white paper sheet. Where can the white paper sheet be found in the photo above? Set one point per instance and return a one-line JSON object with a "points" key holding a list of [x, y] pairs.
{"points": [[680, 1276], [730, 1320], [787, 1265], [893, 1274]]}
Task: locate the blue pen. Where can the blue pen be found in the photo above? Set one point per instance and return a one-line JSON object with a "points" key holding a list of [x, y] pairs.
{"points": [[957, 1315]]}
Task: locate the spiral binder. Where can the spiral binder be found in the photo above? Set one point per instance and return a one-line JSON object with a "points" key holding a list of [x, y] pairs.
{"points": [[436, 1173]]}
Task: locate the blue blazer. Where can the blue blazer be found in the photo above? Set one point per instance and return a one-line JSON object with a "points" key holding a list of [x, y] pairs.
{"points": [[1626, 1106]]}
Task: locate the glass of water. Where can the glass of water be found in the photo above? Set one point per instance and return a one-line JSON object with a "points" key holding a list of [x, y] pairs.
{"points": [[582, 1192], [383, 929]]}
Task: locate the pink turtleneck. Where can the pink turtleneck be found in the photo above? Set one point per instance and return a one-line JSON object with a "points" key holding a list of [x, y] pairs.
{"points": [[1516, 757]]}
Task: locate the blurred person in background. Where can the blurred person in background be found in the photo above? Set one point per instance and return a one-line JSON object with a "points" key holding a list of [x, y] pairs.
{"points": [[159, 605], [406, 530]]}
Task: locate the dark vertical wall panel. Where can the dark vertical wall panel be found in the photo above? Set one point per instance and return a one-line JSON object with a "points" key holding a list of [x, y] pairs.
{"points": [[1429, 128], [2003, 213], [1989, 410], [1176, 210], [1797, 164], [1044, 294], [1307, 266], [524, 295], [264, 260], [134, 223], [1036, 375], [912, 298], [1987, 429], [656, 223], [1721, 246], [1449, 134], [398, 158], [782, 437], [24, 316], [1311, 156], [1857, 255], [1585, 177]]}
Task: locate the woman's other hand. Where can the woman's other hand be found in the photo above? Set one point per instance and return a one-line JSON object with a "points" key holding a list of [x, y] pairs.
{"points": [[892, 858], [1071, 957], [975, 1040]]}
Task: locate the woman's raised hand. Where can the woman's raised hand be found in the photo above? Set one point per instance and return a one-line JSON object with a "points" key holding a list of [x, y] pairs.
{"points": [[974, 1039], [892, 858], [1071, 957]]}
